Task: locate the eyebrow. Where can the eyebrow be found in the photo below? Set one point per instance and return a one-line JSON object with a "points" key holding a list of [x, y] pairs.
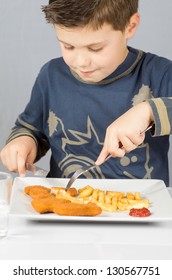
{"points": [[90, 45]]}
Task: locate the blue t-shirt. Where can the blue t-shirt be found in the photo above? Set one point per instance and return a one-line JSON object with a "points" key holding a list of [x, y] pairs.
{"points": [[70, 117]]}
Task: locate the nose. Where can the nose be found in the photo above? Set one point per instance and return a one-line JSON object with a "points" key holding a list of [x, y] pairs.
{"points": [[82, 59]]}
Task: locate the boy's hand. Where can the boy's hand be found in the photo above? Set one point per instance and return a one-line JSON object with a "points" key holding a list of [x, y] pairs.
{"points": [[17, 152], [124, 134]]}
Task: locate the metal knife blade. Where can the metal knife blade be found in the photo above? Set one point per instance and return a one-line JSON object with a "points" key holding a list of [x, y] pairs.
{"points": [[37, 171]]}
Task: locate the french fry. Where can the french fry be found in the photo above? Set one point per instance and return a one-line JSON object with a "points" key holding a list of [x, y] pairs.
{"points": [[129, 195], [108, 199], [107, 207], [116, 194], [95, 194], [101, 197], [123, 200], [85, 192], [82, 189], [114, 200], [137, 195]]}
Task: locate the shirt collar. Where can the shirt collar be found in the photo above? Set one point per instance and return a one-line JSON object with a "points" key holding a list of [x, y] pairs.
{"points": [[122, 70]]}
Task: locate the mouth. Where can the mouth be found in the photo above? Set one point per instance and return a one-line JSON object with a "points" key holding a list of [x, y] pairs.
{"points": [[87, 73]]}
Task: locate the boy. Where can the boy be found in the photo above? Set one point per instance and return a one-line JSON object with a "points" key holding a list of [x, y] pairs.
{"points": [[97, 98]]}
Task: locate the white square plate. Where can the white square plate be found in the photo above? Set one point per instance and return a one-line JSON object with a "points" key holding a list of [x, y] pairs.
{"points": [[154, 190]]}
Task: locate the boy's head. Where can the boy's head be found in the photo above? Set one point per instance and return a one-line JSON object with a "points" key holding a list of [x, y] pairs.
{"points": [[93, 34], [80, 13]]}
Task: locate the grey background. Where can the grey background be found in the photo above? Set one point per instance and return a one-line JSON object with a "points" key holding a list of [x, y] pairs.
{"points": [[27, 42]]}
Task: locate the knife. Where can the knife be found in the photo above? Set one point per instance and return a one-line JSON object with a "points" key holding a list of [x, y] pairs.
{"points": [[37, 171]]}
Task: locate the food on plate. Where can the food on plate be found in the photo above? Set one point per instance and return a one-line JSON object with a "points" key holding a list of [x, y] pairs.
{"points": [[130, 203], [37, 191], [142, 212], [85, 201], [59, 190], [105, 201], [112, 201], [106, 207], [75, 209], [45, 201], [85, 192], [46, 205], [109, 201], [118, 195]]}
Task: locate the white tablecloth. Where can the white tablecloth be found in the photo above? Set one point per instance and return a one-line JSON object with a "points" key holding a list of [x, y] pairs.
{"points": [[68, 240]]}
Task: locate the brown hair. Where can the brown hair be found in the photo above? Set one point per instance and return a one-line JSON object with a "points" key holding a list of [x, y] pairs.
{"points": [[79, 13]]}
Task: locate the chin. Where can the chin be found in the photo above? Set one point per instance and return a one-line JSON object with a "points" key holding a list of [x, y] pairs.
{"points": [[91, 79]]}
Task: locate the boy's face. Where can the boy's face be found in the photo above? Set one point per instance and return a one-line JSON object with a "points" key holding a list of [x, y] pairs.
{"points": [[92, 54]]}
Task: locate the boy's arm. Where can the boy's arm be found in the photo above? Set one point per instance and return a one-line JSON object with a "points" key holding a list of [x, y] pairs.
{"points": [[30, 121], [124, 134], [162, 114], [22, 146], [27, 141], [41, 143]]}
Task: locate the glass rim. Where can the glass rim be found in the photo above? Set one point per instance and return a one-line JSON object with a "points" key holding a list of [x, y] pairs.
{"points": [[5, 176]]}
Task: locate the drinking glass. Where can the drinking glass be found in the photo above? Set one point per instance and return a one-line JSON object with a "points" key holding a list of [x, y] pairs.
{"points": [[5, 193]]}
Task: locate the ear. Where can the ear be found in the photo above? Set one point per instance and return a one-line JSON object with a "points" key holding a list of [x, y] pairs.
{"points": [[132, 25]]}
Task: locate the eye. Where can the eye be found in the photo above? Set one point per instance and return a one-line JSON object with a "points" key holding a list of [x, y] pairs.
{"points": [[95, 50], [68, 47]]}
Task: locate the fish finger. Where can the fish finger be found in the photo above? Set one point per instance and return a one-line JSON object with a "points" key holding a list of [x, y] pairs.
{"points": [[75, 209], [37, 191], [46, 205]]}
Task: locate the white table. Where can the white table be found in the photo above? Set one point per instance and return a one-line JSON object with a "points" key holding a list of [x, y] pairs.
{"points": [[69, 240]]}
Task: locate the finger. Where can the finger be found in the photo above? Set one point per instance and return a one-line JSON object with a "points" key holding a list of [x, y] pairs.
{"points": [[115, 147], [31, 157], [102, 156], [113, 150], [128, 144], [9, 161], [21, 165], [141, 138], [117, 151], [30, 167]]}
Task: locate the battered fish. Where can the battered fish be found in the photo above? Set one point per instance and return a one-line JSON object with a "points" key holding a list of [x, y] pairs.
{"points": [[38, 191], [75, 209], [46, 205]]}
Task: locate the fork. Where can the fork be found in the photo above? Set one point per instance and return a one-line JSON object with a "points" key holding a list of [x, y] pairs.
{"points": [[84, 169]]}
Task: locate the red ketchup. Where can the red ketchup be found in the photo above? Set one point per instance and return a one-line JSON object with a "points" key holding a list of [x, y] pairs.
{"points": [[143, 212]]}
